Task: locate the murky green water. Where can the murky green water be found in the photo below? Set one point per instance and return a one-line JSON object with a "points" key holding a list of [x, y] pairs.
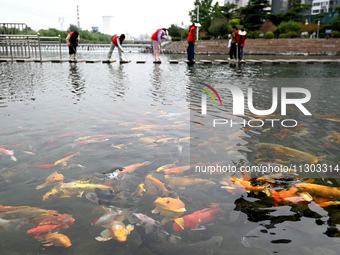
{"points": [[47, 108]]}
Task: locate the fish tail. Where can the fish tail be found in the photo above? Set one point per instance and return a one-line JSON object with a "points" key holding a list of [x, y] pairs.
{"points": [[10, 152]]}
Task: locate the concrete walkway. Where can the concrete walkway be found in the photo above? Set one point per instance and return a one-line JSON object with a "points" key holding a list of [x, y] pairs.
{"points": [[200, 62]]}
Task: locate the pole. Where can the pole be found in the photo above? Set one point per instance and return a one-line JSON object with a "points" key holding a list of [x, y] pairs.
{"points": [[10, 47], [318, 29], [39, 46], [198, 16], [60, 47]]}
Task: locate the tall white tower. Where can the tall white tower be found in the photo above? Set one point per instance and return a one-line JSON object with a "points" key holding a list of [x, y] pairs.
{"points": [[108, 25]]}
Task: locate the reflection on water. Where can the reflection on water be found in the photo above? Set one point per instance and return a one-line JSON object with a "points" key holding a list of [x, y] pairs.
{"points": [[138, 118]]}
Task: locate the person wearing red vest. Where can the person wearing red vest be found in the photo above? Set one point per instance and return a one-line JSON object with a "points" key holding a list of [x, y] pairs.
{"points": [[240, 43], [191, 42], [117, 41], [157, 38], [72, 43]]}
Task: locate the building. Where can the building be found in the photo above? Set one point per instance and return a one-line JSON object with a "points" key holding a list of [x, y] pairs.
{"points": [[239, 3], [324, 6], [108, 25]]}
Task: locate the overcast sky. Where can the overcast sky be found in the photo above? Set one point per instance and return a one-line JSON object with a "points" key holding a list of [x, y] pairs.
{"points": [[130, 16]]}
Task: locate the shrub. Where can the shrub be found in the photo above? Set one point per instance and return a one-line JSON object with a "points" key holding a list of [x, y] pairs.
{"points": [[256, 34], [269, 35], [336, 34], [283, 35], [250, 35], [291, 34], [290, 26], [322, 35], [174, 39], [206, 37]]}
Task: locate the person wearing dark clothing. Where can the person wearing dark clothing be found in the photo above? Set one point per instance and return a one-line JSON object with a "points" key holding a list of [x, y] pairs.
{"points": [[191, 42], [240, 43], [232, 51], [72, 43]]}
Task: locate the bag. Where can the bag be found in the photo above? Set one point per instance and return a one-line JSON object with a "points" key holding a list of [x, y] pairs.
{"points": [[229, 43]]}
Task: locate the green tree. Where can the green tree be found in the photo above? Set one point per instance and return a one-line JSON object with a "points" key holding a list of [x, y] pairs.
{"points": [[207, 12], [176, 31], [219, 26], [335, 24], [297, 6], [72, 28], [254, 14], [228, 10]]}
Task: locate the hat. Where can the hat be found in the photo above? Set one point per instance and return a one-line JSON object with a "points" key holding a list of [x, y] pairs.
{"points": [[242, 32]]}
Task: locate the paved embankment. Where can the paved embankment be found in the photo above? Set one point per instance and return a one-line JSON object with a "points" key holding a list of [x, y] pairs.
{"points": [[302, 47]]}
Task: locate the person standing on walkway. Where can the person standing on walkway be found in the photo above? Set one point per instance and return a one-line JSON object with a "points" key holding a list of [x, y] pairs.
{"points": [[232, 51], [72, 43], [157, 38], [191, 42], [240, 43], [117, 41]]}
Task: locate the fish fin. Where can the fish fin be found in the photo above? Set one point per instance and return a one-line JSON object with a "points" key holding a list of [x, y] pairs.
{"points": [[200, 228], [155, 210], [41, 186], [129, 228], [81, 193], [104, 236], [165, 220], [180, 210], [180, 222], [306, 196], [48, 244], [267, 192]]}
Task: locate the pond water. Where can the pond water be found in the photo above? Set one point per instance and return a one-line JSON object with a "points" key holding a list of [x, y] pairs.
{"points": [[109, 116]]}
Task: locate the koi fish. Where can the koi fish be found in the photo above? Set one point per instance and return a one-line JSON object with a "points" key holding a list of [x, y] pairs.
{"points": [[61, 193], [248, 186], [166, 167], [133, 167], [55, 239], [139, 191], [44, 229], [319, 190], [52, 178], [196, 219], [15, 223], [9, 153], [158, 184], [152, 226], [186, 182], [279, 150], [42, 166], [66, 158], [117, 231], [169, 207], [290, 196]]}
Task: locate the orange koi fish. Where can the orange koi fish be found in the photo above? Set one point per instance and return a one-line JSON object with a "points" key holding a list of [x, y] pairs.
{"points": [[196, 219]]}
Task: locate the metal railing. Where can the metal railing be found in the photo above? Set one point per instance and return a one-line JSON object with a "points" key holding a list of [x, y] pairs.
{"points": [[26, 46], [13, 28]]}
